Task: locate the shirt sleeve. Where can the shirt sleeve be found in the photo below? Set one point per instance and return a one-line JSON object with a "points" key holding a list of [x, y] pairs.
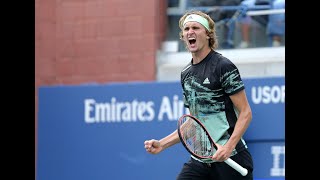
{"points": [[230, 77]]}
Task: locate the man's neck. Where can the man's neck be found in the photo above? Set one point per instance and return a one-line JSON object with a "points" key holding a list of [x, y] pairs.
{"points": [[197, 57]]}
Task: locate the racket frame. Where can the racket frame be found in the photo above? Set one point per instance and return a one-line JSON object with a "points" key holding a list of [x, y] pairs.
{"points": [[213, 145], [229, 161]]}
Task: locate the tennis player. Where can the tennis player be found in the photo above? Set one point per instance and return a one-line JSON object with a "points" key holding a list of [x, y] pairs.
{"points": [[214, 93]]}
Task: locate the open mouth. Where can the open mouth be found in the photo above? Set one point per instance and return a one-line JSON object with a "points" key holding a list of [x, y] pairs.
{"points": [[192, 41]]}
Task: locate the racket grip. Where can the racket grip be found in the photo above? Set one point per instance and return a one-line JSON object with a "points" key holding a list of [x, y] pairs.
{"points": [[243, 171]]}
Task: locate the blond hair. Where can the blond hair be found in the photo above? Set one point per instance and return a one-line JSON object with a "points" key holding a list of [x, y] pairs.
{"points": [[213, 41]]}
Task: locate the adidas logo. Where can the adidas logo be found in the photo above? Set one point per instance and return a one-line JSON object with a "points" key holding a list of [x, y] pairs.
{"points": [[190, 17], [206, 81]]}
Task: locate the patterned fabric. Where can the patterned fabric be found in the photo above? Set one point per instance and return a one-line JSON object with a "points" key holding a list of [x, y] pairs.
{"points": [[206, 90]]}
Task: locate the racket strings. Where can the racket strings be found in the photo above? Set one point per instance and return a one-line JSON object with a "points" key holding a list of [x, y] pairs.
{"points": [[195, 138]]}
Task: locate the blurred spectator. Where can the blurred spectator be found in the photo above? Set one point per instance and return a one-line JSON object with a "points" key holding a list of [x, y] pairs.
{"points": [[229, 25], [276, 24], [220, 17], [245, 21], [196, 3], [173, 3]]}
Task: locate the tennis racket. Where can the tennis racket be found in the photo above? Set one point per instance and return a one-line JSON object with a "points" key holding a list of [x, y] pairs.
{"points": [[196, 139]]}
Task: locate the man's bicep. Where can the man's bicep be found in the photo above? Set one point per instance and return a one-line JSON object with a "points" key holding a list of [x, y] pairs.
{"points": [[239, 99]]}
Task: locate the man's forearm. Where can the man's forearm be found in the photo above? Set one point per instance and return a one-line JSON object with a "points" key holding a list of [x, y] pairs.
{"points": [[170, 140]]}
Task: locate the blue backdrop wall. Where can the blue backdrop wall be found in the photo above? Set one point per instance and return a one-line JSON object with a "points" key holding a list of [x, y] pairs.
{"points": [[97, 131]]}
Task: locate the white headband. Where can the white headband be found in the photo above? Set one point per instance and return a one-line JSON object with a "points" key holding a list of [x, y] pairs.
{"points": [[197, 18]]}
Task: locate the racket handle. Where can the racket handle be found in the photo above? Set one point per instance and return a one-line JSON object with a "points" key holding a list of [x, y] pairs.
{"points": [[237, 167]]}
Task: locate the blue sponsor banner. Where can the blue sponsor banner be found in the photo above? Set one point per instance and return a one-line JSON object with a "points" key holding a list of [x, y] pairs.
{"points": [[97, 131], [268, 158], [266, 97]]}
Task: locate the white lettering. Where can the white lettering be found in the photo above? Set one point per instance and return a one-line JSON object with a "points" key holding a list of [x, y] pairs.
{"points": [[172, 112], [88, 109], [115, 111], [165, 108], [267, 94], [125, 116], [143, 111], [277, 170]]}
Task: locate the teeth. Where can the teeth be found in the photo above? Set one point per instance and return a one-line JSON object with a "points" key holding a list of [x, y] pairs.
{"points": [[192, 38]]}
